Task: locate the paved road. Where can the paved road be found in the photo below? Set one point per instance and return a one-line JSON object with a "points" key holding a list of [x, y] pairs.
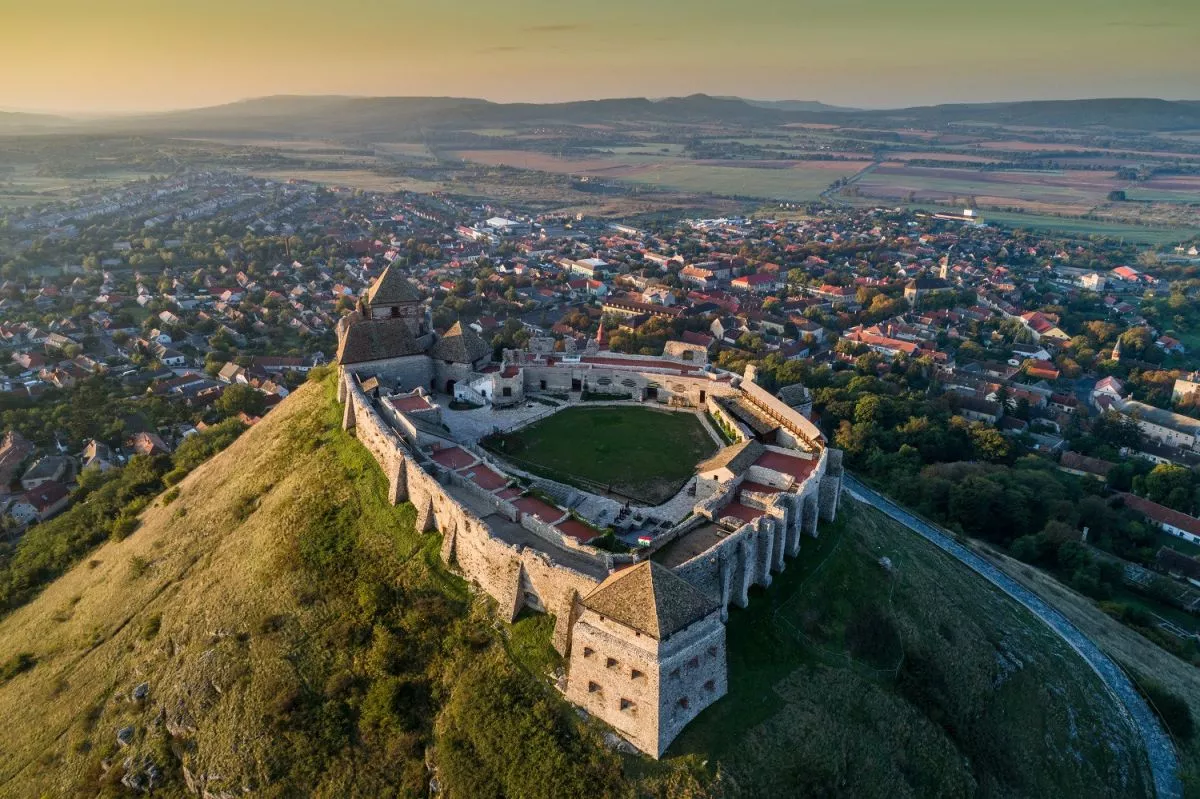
{"points": [[1164, 764]]}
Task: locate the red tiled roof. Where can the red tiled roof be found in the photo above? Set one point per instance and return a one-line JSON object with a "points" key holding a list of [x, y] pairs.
{"points": [[577, 530], [799, 468], [413, 403], [1162, 514], [740, 511], [45, 496], [454, 457], [535, 507], [482, 476], [759, 488]]}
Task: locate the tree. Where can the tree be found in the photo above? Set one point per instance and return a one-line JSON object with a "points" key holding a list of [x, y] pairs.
{"points": [[241, 399]]}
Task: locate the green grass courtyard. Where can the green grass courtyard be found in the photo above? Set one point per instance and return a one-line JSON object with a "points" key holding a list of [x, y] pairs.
{"points": [[641, 453]]}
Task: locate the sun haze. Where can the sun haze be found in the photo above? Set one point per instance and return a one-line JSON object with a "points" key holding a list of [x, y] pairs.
{"points": [[134, 55]]}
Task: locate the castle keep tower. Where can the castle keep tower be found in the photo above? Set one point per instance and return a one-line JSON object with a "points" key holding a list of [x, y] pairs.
{"points": [[392, 296], [388, 332], [647, 654]]}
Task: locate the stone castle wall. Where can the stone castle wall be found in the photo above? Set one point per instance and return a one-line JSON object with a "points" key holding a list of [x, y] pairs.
{"points": [[748, 556], [404, 373], [514, 576]]}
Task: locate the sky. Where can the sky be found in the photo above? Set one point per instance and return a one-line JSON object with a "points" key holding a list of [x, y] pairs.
{"points": [[103, 56]]}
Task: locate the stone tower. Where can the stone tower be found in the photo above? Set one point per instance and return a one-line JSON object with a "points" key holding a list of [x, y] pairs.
{"points": [[389, 321], [647, 654], [393, 296]]}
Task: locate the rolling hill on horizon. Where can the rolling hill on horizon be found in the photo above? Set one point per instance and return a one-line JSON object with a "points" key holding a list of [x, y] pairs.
{"points": [[388, 117]]}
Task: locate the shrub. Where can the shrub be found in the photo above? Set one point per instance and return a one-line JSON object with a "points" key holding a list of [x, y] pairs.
{"points": [[150, 627], [170, 496], [138, 566], [1174, 712], [16, 664], [122, 527]]}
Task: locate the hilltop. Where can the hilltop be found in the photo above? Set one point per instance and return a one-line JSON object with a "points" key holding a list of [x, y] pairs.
{"points": [[275, 626]]}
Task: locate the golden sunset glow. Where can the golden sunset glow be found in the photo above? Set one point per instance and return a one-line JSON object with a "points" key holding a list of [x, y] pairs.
{"points": [[135, 55]]}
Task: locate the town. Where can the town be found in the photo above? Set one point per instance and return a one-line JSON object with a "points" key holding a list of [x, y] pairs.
{"points": [[1040, 392]]}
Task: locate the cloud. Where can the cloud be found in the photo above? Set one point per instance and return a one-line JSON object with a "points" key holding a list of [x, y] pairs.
{"points": [[501, 48], [562, 27]]}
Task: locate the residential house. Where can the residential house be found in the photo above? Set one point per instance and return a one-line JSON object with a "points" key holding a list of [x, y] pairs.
{"points": [[1167, 519], [97, 455], [757, 283], [147, 443], [46, 469], [14, 449], [40, 504]]}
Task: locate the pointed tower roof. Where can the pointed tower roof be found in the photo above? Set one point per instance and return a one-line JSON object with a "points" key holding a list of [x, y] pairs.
{"points": [[651, 599], [461, 344], [1116, 352], [602, 335], [392, 288]]}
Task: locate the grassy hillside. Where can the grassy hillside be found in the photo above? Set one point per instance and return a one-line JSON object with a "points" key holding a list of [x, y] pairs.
{"points": [[849, 678], [295, 637], [276, 627]]}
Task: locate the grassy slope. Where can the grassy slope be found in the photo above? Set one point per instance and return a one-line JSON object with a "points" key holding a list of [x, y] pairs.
{"points": [[221, 620], [1141, 658], [846, 682], [299, 638], [641, 452]]}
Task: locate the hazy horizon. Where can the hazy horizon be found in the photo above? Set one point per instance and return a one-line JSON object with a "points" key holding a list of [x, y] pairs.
{"points": [[134, 56], [83, 115]]}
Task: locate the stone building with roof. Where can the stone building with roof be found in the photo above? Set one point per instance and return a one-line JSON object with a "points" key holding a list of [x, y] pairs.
{"points": [[647, 654]]}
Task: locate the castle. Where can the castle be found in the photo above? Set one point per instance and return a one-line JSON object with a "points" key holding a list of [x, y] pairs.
{"points": [[642, 632]]}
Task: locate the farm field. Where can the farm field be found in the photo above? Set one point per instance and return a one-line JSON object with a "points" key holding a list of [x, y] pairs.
{"points": [[922, 678], [1166, 188], [1057, 191], [782, 180], [800, 183], [1069, 226], [642, 453], [23, 186], [365, 179]]}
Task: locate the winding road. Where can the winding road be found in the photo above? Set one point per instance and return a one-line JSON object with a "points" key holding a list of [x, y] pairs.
{"points": [[1164, 763]]}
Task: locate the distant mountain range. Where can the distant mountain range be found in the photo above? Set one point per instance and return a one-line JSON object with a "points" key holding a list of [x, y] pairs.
{"points": [[384, 118]]}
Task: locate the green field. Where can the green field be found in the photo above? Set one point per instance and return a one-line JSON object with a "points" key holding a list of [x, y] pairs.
{"points": [[1067, 226], [802, 183], [846, 679], [641, 453]]}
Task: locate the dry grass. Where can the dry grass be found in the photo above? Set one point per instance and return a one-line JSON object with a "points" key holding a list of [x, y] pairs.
{"points": [[214, 562]]}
